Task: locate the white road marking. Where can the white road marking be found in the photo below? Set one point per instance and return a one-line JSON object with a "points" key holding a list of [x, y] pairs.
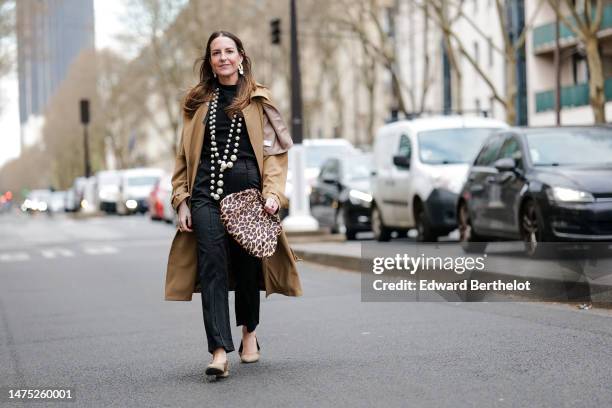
{"points": [[14, 256], [100, 249], [51, 253]]}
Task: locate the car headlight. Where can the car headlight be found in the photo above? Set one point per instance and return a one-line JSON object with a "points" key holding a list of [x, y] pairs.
{"points": [[357, 197], [568, 195]]}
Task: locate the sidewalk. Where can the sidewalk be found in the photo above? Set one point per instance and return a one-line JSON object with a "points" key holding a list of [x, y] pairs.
{"points": [[504, 261]]}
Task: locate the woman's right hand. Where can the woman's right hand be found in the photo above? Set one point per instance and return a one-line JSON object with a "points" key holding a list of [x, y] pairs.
{"points": [[184, 215]]}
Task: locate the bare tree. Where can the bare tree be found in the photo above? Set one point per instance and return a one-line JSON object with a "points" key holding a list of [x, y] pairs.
{"points": [[16, 174], [586, 26], [363, 18], [120, 112], [442, 15], [509, 50], [62, 133], [171, 36]]}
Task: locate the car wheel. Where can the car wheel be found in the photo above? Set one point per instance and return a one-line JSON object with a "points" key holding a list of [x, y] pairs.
{"points": [[532, 231], [381, 232], [470, 241], [423, 225], [339, 226], [403, 233]]}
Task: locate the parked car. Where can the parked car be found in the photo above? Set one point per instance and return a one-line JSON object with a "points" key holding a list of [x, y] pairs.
{"points": [[419, 169], [165, 186], [316, 152], [135, 186], [539, 185], [341, 196], [70, 200], [37, 201], [107, 183], [89, 202], [79, 191], [57, 202], [160, 205]]}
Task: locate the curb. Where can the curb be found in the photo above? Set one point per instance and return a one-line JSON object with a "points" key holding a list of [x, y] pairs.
{"points": [[337, 261], [548, 289]]}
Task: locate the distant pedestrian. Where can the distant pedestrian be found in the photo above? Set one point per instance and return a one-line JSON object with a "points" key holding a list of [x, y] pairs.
{"points": [[233, 139]]}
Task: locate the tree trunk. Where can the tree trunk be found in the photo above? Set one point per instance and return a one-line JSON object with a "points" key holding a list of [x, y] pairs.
{"points": [[397, 90], [596, 79], [371, 113]]}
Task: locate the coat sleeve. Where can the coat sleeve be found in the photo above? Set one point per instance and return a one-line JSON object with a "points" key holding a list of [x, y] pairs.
{"points": [[180, 190], [277, 142], [275, 177]]}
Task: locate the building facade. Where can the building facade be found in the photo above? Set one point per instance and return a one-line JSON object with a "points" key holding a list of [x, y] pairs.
{"points": [[574, 72], [50, 34]]}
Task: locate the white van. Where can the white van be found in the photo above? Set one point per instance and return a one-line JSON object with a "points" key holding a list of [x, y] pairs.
{"points": [[419, 169], [134, 189], [107, 186]]}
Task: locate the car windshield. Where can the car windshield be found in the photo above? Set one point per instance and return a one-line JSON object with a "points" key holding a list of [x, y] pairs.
{"points": [[108, 178], [41, 195], [447, 146], [358, 168], [316, 155], [570, 147], [142, 181]]}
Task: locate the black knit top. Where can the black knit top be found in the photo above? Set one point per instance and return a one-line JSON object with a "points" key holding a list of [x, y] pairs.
{"points": [[201, 188]]}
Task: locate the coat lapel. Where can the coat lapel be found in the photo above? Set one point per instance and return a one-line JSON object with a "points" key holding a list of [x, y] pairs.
{"points": [[255, 130], [194, 146]]}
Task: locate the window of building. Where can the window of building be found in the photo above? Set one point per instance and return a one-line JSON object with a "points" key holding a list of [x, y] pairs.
{"points": [[580, 70]]}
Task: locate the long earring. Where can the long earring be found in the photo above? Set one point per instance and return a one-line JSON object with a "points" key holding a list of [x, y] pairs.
{"points": [[214, 74], [240, 69]]}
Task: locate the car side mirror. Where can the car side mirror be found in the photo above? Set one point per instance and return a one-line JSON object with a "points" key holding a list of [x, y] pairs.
{"points": [[401, 161], [505, 164]]}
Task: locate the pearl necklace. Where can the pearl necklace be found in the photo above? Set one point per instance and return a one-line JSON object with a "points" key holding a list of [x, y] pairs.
{"points": [[216, 186]]}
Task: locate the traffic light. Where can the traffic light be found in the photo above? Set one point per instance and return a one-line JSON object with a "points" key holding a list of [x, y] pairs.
{"points": [[275, 30], [84, 111]]}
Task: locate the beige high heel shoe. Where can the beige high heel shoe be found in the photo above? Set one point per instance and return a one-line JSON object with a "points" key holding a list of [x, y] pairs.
{"points": [[251, 357], [221, 370]]}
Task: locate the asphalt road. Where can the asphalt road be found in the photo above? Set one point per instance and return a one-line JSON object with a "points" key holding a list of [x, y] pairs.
{"points": [[81, 306]]}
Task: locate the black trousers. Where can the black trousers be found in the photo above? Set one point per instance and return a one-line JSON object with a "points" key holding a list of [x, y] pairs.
{"points": [[217, 251]]}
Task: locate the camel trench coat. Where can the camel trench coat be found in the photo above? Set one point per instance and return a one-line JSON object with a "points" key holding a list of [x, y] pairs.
{"points": [[270, 140]]}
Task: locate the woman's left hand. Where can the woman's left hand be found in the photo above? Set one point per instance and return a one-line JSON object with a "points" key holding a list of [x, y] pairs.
{"points": [[271, 205]]}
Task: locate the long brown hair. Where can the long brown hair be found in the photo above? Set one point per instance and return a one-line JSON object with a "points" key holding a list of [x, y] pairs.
{"points": [[203, 91]]}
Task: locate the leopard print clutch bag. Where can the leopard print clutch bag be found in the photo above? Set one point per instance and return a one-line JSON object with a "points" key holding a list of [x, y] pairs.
{"points": [[246, 220]]}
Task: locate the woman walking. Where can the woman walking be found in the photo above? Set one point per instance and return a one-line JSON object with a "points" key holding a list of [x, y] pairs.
{"points": [[233, 139]]}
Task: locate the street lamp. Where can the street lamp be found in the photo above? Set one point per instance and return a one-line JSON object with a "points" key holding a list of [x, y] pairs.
{"points": [[299, 218], [84, 104]]}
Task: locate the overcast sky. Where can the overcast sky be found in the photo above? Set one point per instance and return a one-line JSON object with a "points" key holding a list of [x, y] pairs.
{"points": [[108, 23]]}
